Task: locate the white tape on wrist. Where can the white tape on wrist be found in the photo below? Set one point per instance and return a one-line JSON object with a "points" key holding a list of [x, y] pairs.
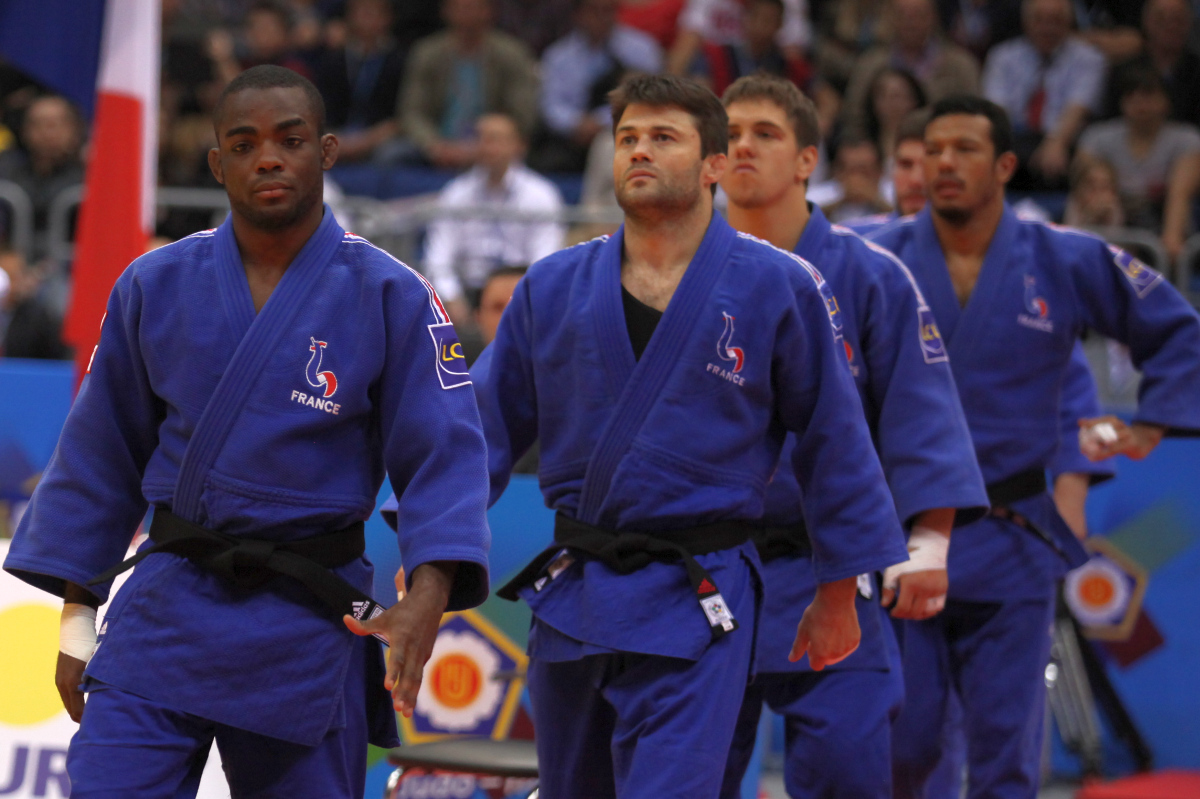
{"points": [[927, 550], [77, 631], [1093, 440]]}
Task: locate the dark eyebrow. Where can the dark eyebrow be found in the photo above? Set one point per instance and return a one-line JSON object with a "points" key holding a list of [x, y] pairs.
{"points": [[653, 128], [250, 130]]}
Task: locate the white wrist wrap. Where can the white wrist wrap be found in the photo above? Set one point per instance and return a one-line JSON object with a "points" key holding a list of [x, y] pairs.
{"points": [[926, 550], [1093, 439], [77, 631]]}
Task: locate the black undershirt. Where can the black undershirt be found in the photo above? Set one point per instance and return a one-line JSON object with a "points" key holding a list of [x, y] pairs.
{"points": [[640, 321]]}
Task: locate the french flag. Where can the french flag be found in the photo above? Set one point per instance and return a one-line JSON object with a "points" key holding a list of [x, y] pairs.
{"points": [[104, 55]]}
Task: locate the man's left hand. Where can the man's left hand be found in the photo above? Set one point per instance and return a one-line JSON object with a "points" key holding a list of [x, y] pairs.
{"points": [[1134, 441], [411, 625]]}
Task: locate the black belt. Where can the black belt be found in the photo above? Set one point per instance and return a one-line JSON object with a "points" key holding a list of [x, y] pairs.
{"points": [[251, 562], [1021, 485], [626, 552], [782, 541]]}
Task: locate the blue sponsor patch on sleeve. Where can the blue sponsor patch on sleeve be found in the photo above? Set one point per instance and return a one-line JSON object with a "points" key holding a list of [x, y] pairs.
{"points": [[933, 348], [448, 353], [1141, 277]]}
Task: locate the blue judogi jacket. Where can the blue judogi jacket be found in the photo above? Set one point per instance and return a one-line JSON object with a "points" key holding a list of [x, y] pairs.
{"points": [[902, 374], [747, 350], [276, 425], [1011, 347]]}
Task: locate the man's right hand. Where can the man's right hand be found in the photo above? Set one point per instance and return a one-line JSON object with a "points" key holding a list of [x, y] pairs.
{"points": [[829, 630], [68, 675]]}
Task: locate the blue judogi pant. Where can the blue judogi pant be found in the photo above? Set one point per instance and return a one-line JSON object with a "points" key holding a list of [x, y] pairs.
{"points": [[630, 725], [993, 656], [837, 727], [129, 747]]}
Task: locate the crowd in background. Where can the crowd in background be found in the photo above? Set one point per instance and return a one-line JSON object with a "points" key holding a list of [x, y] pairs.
{"points": [[1104, 96]]}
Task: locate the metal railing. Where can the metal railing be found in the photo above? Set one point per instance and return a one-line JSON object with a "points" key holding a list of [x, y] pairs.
{"points": [[1142, 243], [21, 217], [64, 204]]}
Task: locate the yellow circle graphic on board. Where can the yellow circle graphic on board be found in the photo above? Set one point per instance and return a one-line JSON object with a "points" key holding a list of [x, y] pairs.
{"points": [[28, 653]]}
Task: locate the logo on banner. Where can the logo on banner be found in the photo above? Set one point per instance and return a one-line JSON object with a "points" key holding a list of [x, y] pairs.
{"points": [[933, 347], [1038, 310], [472, 682], [451, 364], [313, 373], [1140, 276], [1105, 594]]}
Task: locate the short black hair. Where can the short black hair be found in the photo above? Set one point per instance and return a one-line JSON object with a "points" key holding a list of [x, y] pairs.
{"points": [[851, 139], [663, 91], [973, 105], [268, 76]]}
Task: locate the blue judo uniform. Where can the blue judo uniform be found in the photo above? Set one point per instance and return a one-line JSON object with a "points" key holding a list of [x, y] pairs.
{"points": [[1011, 349], [632, 693], [276, 425], [1079, 401], [838, 722]]}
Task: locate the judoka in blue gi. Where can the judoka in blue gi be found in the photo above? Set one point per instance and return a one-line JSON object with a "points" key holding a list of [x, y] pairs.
{"points": [[661, 368], [1012, 297], [251, 384], [838, 722], [1071, 473]]}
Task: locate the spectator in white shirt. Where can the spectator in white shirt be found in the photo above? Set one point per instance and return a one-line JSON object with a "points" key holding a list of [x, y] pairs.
{"points": [[460, 253], [1049, 81]]}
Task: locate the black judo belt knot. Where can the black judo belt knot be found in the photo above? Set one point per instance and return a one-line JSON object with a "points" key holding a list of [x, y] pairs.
{"points": [[249, 563], [625, 552]]}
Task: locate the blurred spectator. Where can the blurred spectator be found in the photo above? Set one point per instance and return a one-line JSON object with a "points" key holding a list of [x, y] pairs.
{"points": [[48, 159], [846, 30], [307, 25], [1111, 26], [578, 72], [494, 297], [723, 22], [894, 94], [1094, 200], [28, 328], [857, 171], [976, 25], [719, 65], [537, 23], [1049, 81], [941, 67], [659, 18], [455, 76], [360, 81], [1157, 162], [1166, 28], [267, 34], [460, 253]]}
